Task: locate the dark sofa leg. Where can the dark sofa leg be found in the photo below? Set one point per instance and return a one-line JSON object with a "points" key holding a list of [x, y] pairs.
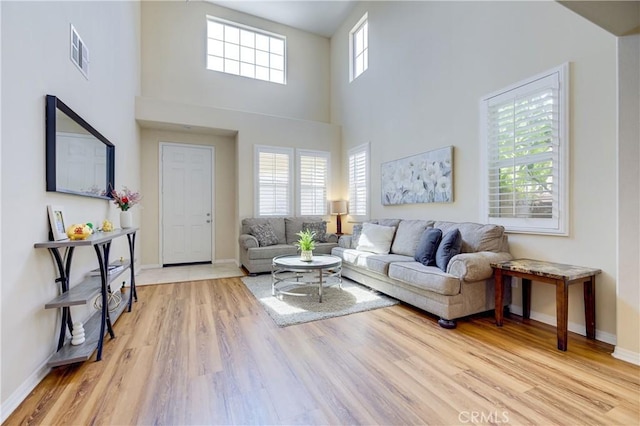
{"points": [[445, 323]]}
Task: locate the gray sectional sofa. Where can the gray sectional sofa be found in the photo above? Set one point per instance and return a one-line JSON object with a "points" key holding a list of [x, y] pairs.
{"points": [[464, 287], [256, 257]]}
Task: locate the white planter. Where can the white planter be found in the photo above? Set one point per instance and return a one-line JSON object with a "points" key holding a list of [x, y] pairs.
{"points": [[126, 220], [306, 255]]}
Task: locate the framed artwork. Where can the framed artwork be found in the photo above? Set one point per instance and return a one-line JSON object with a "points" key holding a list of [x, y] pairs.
{"points": [[421, 178], [56, 219]]}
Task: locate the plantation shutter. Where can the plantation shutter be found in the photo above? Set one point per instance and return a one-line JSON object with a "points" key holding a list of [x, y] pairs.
{"points": [[274, 181], [523, 146], [313, 169], [358, 182]]}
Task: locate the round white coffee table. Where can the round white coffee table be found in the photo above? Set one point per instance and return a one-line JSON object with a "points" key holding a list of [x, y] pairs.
{"points": [[288, 272]]}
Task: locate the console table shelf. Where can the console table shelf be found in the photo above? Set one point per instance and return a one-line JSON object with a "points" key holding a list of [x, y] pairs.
{"points": [[100, 323], [70, 354]]}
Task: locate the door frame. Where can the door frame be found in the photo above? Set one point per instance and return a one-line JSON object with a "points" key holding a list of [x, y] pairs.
{"points": [[212, 149]]}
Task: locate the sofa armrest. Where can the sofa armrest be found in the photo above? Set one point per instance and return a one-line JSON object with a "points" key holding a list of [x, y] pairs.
{"points": [[332, 238], [248, 241], [472, 267], [344, 241]]}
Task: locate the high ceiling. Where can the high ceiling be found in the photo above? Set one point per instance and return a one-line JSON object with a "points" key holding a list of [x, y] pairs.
{"points": [[324, 17], [318, 17]]}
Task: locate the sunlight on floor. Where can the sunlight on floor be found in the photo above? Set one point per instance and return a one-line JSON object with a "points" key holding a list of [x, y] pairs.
{"points": [[187, 273]]}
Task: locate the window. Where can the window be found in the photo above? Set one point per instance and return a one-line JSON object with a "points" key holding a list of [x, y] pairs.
{"points": [[240, 50], [359, 47], [313, 178], [79, 52], [273, 173], [359, 180], [525, 138]]}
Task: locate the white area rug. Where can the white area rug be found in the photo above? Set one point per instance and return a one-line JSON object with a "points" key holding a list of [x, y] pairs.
{"points": [[289, 310]]}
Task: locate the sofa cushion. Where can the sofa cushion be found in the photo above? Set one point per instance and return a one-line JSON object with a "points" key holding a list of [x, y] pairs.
{"points": [[428, 246], [264, 234], [407, 236], [476, 237], [386, 222], [270, 252], [379, 263], [277, 223], [376, 238], [429, 278], [293, 225], [320, 229], [449, 246]]}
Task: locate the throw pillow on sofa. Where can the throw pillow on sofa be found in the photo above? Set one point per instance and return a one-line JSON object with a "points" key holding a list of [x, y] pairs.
{"points": [[376, 238], [320, 228], [264, 234], [450, 246], [428, 247], [355, 235]]}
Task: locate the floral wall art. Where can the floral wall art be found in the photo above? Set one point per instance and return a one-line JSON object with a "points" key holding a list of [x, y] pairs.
{"points": [[421, 178]]}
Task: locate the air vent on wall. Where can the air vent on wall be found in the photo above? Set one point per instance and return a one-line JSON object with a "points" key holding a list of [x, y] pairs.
{"points": [[79, 52]]}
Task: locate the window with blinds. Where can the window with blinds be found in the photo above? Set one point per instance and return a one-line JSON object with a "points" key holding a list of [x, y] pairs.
{"points": [[237, 49], [359, 47], [273, 174], [313, 178], [526, 153], [359, 180]]}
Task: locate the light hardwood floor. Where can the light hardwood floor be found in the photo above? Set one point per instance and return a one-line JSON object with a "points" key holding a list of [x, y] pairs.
{"points": [[205, 352]]}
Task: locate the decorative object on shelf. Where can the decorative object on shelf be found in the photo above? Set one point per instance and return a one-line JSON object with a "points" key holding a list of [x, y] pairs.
{"points": [[422, 178], [113, 301], [107, 226], [77, 334], [306, 244], [78, 231], [338, 208], [56, 220], [125, 200]]}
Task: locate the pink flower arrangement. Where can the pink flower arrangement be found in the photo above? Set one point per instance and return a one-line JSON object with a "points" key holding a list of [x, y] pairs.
{"points": [[125, 199]]}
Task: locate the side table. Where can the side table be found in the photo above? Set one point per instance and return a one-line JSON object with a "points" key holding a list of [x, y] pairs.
{"points": [[552, 273]]}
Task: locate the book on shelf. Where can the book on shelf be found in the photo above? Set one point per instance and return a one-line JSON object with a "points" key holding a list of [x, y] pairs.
{"points": [[112, 269]]}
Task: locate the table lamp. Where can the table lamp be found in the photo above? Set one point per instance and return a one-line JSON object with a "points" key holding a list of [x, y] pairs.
{"points": [[338, 208]]}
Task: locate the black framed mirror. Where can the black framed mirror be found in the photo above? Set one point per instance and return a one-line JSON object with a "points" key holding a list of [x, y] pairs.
{"points": [[79, 160]]}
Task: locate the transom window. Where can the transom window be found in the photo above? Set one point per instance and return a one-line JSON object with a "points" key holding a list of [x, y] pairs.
{"points": [[359, 47], [248, 52], [525, 134]]}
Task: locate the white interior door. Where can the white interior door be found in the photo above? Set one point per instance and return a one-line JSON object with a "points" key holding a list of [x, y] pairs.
{"points": [[186, 203]]}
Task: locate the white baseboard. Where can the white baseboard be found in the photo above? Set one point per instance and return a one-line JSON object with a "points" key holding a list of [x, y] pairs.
{"points": [[626, 355], [20, 394], [572, 326]]}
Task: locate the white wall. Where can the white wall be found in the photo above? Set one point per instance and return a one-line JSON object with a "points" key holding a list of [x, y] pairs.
{"points": [[174, 64], [430, 63], [178, 89], [628, 307], [35, 62]]}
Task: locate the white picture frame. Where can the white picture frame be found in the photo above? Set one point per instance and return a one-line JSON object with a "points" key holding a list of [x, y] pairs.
{"points": [[56, 220]]}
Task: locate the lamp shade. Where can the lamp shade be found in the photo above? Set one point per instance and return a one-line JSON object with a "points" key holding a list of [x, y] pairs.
{"points": [[339, 207]]}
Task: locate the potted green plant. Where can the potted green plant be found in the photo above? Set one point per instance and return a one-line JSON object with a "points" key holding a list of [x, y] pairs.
{"points": [[306, 244]]}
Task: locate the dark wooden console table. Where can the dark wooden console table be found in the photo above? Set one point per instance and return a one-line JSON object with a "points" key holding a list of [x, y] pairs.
{"points": [[553, 273], [99, 323]]}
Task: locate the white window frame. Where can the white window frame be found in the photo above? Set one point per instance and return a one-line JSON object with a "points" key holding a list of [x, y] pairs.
{"points": [[79, 52], [322, 208], [258, 149], [354, 53], [357, 211], [262, 63], [558, 224]]}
